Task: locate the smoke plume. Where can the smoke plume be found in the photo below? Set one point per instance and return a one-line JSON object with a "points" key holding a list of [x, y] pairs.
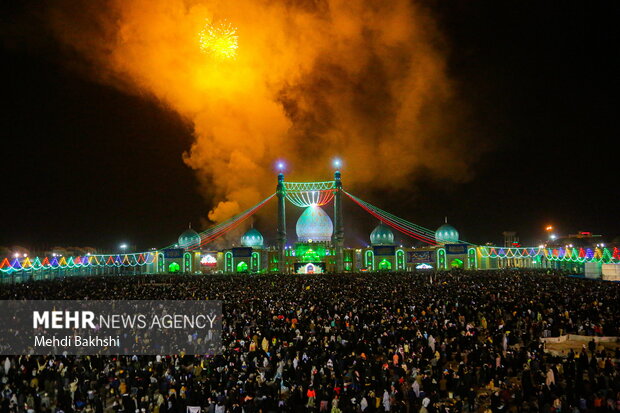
{"points": [[311, 80]]}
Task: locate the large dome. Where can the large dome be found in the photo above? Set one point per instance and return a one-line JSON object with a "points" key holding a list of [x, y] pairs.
{"points": [[382, 235], [314, 225], [189, 238], [446, 234], [252, 238]]}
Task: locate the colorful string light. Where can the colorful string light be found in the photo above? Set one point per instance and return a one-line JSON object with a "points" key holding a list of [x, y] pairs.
{"points": [[577, 255], [216, 231], [305, 194], [305, 199], [90, 261], [309, 186], [407, 228]]}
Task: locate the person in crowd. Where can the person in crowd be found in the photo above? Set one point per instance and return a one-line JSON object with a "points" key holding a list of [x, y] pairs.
{"points": [[468, 342]]}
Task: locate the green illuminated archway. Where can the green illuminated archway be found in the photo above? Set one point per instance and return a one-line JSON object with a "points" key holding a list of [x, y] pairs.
{"points": [[255, 261], [441, 259], [472, 262], [228, 261], [385, 265], [370, 260], [187, 262], [400, 260], [242, 267], [174, 267], [161, 261]]}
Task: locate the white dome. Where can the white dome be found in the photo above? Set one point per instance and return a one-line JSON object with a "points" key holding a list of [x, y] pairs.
{"points": [[189, 238], [382, 235], [314, 225], [446, 234], [252, 238]]}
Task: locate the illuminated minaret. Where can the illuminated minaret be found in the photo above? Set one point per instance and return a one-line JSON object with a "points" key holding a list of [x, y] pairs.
{"points": [[338, 237], [281, 192]]}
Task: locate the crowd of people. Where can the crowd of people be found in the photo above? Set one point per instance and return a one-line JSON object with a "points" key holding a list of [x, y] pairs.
{"points": [[453, 341]]}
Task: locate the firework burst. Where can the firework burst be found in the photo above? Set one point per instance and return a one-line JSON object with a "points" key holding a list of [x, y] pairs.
{"points": [[219, 39]]}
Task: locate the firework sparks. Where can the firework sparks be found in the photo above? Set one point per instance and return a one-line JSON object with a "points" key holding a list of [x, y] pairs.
{"points": [[219, 39]]}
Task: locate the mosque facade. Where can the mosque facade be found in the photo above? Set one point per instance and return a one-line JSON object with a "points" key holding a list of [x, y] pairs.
{"points": [[318, 245], [314, 252]]}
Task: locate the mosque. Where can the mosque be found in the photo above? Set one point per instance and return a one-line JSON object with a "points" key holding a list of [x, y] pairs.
{"points": [[315, 251], [318, 245]]}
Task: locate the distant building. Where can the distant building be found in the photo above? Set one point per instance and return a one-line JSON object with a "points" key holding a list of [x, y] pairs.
{"points": [[583, 239], [584, 234], [510, 239]]}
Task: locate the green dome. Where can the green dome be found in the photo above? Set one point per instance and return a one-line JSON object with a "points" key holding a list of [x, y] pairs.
{"points": [[314, 225], [252, 238], [188, 238], [382, 235], [446, 234]]}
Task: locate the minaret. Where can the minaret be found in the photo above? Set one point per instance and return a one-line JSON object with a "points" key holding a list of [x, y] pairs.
{"points": [[338, 237], [281, 193]]}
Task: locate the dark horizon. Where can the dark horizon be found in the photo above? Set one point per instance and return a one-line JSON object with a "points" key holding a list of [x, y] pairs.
{"points": [[88, 165]]}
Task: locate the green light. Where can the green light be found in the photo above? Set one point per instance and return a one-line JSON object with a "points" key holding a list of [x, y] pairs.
{"points": [[228, 261], [310, 256], [370, 260], [255, 261], [400, 259], [472, 258], [441, 259], [242, 267], [187, 262], [160, 262], [310, 252], [385, 265], [174, 267], [456, 263]]}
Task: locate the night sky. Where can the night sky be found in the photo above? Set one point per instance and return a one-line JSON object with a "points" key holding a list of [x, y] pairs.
{"points": [[85, 164]]}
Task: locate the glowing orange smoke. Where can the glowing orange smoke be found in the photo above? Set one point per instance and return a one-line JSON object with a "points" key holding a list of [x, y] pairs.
{"points": [[312, 80]]}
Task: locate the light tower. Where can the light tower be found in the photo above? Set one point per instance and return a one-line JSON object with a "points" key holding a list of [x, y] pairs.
{"points": [[281, 240], [338, 237]]}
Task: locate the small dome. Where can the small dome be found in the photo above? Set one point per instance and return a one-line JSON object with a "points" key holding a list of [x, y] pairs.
{"points": [[252, 238], [189, 238], [314, 225], [382, 235], [446, 234]]}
